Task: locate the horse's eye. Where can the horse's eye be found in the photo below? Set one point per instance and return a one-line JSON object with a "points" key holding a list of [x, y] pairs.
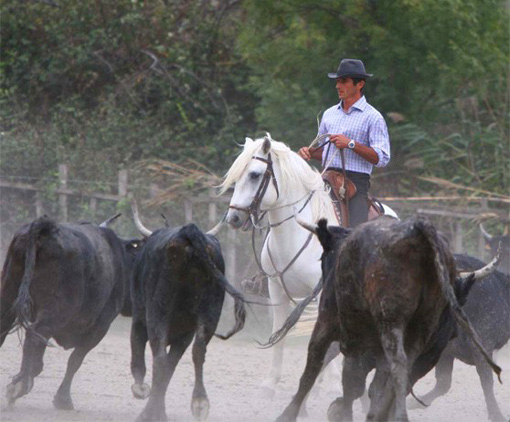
{"points": [[254, 176]]}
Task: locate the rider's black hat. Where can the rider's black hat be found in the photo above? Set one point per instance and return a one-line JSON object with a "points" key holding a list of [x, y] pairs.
{"points": [[352, 68]]}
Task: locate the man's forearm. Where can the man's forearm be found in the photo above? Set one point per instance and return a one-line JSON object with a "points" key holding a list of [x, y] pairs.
{"points": [[316, 153]]}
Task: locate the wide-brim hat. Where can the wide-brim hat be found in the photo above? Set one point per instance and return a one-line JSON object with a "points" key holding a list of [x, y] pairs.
{"points": [[352, 68]]}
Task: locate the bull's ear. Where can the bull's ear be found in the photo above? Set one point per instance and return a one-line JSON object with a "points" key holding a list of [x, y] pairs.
{"points": [[330, 236], [266, 146], [324, 235]]}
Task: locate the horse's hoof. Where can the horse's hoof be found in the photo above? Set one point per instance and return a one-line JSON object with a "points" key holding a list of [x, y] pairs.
{"points": [[200, 408], [140, 391], [266, 392], [62, 403]]}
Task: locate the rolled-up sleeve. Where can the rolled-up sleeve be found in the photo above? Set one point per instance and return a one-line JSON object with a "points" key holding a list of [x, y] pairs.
{"points": [[379, 140]]}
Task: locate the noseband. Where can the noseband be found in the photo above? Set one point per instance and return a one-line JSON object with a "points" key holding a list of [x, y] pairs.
{"points": [[253, 208]]}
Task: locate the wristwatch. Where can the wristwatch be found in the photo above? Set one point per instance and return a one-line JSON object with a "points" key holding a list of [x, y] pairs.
{"points": [[351, 144]]}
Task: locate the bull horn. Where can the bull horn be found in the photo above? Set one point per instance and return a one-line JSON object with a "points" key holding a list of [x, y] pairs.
{"points": [[485, 271], [310, 227], [216, 229], [136, 217], [106, 223], [486, 235]]}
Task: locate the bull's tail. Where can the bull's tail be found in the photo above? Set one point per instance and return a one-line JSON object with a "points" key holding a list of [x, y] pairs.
{"points": [[23, 303], [198, 240], [460, 316], [293, 318]]}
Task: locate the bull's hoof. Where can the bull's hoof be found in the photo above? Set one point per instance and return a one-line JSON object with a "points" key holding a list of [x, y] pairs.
{"points": [[18, 388], [414, 404], [286, 417], [303, 412], [496, 416], [200, 408], [141, 391], [337, 412], [152, 416], [62, 402]]}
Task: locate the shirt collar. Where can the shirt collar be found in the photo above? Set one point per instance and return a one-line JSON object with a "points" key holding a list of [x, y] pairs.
{"points": [[361, 104]]}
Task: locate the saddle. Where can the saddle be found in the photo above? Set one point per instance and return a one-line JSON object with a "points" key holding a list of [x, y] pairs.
{"points": [[341, 190]]}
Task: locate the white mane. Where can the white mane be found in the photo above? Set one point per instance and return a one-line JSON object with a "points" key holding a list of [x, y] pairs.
{"points": [[294, 172]]}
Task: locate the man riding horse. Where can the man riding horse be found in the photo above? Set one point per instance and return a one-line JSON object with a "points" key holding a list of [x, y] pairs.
{"points": [[358, 140]]}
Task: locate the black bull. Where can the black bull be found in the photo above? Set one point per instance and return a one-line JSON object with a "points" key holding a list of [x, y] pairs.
{"points": [[390, 298], [488, 308], [178, 292], [62, 281]]}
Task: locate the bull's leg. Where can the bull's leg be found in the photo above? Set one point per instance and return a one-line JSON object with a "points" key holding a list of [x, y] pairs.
{"points": [[381, 392], [199, 401], [327, 366], [281, 310], [392, 340], [91, 339], [62, 399], [163, 367], [443, 372], [31, 363], [320, 341], [7, 317], [138, 369], [487, 381], [354, 374], [11, 280]]}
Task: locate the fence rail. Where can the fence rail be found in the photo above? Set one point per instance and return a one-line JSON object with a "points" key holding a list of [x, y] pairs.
{"points": [[478, 206]]}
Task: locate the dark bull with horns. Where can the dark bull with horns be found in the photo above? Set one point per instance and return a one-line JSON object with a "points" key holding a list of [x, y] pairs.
{"points": [[390, 297], [178, 291], [67, 282]]}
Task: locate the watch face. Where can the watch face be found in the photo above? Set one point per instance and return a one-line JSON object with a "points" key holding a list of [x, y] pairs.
{"points": [[351, 144]]}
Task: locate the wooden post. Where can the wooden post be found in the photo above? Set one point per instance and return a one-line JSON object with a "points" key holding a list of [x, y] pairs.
{"points": [[481, 239], [458, 237], [212, 208], [62, 175], [188, 211], [123, 182], [93, 207], [39, 210]]}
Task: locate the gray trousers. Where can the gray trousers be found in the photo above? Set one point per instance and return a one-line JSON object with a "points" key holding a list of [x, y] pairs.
{"points": [[358, 204]]}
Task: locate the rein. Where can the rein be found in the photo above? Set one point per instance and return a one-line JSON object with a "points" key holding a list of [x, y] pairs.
{"points": [[253, 211]]}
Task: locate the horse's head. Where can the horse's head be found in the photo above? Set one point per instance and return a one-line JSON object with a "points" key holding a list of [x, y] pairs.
{"points": [[256, 188]]}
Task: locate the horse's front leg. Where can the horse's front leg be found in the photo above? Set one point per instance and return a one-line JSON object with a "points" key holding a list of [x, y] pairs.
{"points": [[281, 310]]}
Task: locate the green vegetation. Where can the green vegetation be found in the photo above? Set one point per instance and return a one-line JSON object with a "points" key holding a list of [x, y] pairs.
{"points": [[103, 85]]}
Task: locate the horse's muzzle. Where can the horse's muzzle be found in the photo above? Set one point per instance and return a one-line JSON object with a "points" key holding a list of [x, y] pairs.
{"points": [[238, 219]]}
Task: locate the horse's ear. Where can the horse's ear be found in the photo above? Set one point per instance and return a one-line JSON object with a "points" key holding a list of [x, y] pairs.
{"points": [[266, 146], [248, 141]]}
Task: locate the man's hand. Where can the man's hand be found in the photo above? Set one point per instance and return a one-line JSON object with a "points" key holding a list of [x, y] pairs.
{"points": [[304, 153], [339, 140]]}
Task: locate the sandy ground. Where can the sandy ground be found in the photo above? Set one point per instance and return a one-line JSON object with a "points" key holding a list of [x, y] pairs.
{"points": [[234, 369]]}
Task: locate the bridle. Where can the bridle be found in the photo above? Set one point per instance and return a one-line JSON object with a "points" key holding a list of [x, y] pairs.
{"points": [[253, 209]]}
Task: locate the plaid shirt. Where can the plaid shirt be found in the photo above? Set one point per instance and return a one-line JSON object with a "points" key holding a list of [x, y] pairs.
{"points": [[362, 123]]}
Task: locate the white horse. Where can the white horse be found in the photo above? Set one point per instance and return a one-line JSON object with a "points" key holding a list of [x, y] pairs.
{"points": [[274, 181]]}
